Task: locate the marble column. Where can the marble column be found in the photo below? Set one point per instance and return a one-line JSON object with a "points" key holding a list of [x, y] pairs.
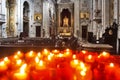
{"points": [[116, 10], [105, 14], [46, 18], [77, 18], [116, 17], [94, 23], [11, 22]]}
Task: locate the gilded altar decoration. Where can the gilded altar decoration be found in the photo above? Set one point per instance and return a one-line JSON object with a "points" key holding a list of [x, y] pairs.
{"points": [[65, 21], [38, 17]]}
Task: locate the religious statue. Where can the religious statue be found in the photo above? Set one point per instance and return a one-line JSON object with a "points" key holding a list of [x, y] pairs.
{"points": [[65, 21]]}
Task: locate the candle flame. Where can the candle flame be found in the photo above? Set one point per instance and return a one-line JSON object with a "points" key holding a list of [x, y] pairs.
{"points": [[67, 49], [39, 54], [18, 52], [49, 57], [89, 57], [111, 65], [41, 63], [60, 55], [76, 62], [84, 52], [37, 60], [46, 52], [16, 57], [22, 69], [74, 56], [82, 73], [82, 65], [31, 53], [19, 62], [6, 59], [2, 63], [104, 53]]}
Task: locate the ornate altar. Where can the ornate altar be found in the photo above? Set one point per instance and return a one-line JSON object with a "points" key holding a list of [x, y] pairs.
{"points": [[65, 19]]}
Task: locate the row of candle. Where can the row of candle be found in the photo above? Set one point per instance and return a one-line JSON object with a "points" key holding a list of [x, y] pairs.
{"points": [[60, 65]]}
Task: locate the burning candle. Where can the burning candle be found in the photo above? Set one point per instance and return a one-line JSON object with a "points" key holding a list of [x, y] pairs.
{"points": [[110, 71], [20, 54], [6, 60], [55, 51], [89, 58], [40, 65], [3, 66], [22, 75], [74, 63]]}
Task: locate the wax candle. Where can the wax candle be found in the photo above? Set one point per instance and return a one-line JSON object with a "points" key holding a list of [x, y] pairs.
{"points": [[45, 52], [110, 71], [40, 65], [6, 60], [3, 66], [74, 63], [20, 54], [83, 71], [89, 58], [22, 75], [55, 51]]}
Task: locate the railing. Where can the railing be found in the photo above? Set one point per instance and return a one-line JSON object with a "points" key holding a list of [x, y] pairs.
{"points": [[2, 18]]}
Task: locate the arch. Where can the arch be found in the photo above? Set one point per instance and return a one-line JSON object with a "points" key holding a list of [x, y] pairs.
{"points": [[26, 11], [63, 14]]}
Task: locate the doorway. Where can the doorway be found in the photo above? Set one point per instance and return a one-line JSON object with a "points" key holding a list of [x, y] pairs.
{"points": [[26, 29], [38, 31], [84, 32]]}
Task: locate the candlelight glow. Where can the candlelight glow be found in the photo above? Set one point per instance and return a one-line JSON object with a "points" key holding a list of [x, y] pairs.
{"points": [[74, 56], [111, 65], [19, 62], [16, 57], [67, 50], [41, 63], [39, 55], [2, 63], [84, 52], [45, 52], [37, 60], [23, 68], [82, 73], [60, 55], [89, 56], [49, 57], [6, 60], [19, 54], [31, 53]]}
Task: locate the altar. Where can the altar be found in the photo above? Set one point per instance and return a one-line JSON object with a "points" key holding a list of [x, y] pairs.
{"points": [[65, 21]]}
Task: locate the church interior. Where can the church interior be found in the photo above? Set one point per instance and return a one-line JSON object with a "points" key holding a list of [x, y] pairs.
{"points": [[80, 25]]}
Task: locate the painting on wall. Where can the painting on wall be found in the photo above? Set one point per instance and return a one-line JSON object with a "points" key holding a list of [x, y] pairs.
{"points": [[38, 17]]}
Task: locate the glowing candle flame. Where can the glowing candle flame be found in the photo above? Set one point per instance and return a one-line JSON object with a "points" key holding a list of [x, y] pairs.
{"points": [[6, 60], [60, 55], [2, 63], [31, 53], [39, 55], [19, 62], [22, 69], [111, 65], [74, 56], [16, 57], [84, 52], [82, 73], [18, 52], [41, 63], [37, 60], [89, 57], [45, 52]]}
